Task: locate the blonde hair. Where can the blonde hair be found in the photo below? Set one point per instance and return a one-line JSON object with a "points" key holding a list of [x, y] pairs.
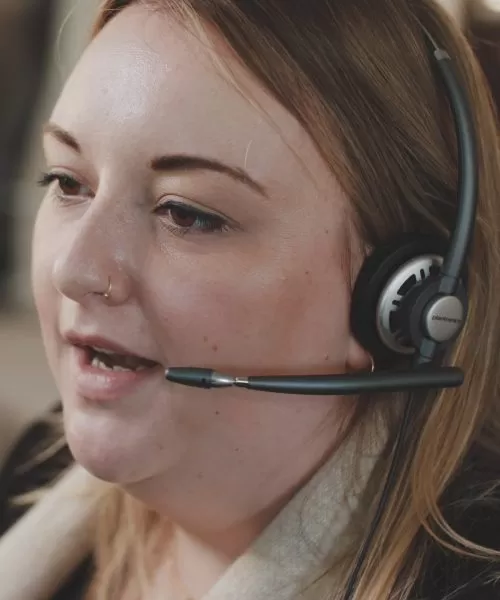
{"points": [[356, 74]]}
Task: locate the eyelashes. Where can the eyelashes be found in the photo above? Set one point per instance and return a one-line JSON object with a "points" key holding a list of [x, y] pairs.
{"points": [[67, 186], [185, 218], [180, 218]]}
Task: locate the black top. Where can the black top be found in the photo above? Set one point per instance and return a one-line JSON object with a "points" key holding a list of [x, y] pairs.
{"points": [[445, 576], [21, 474]]}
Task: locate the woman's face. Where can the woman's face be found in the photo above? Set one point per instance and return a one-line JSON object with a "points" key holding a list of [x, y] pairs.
{"points": [[225, 240]]}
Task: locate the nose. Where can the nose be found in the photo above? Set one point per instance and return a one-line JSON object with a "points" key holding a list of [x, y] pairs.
{"points": [[97, 258]]}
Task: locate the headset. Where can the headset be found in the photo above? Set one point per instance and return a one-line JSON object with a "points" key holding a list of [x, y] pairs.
{"points": [[409, 302]]}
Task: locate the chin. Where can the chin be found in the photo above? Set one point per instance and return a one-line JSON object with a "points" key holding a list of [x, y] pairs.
{"points": [[102, 447]]}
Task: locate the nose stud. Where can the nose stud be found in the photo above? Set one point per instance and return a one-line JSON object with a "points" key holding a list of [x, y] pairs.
{"points": [[107, 294]]}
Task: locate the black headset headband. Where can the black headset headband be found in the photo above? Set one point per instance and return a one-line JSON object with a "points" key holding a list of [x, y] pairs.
{"points": [[455, 259]]}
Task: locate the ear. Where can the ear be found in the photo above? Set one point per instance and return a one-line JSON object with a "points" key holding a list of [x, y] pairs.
{"points": [[357, 358]]}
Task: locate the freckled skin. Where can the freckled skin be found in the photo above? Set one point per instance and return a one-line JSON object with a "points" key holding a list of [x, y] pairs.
{"points": [[265, 297]]}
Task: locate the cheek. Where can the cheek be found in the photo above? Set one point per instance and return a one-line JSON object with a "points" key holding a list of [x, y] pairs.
{"points": [[40, 280], [291, 315], [45, 295]]}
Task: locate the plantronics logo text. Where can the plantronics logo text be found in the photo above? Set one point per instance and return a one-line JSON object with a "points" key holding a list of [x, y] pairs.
{"points": [[446, 319]]}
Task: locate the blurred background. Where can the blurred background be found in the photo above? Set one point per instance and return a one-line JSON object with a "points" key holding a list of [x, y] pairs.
{"points": [[40, 42]]}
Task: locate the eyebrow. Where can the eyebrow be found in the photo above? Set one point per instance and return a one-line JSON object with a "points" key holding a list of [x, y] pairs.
{"points": [[186, 162], [169, 163], [62, 135]]}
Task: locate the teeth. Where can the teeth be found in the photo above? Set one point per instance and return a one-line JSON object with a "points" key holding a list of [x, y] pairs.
{"points": [[98, 364], [102, 350]]}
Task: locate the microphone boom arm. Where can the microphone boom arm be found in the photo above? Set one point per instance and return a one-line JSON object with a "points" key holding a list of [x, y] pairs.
{"points": [[424, 377]]}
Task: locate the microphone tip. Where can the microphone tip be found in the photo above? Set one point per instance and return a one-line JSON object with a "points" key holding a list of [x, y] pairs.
{"points": [[195, 377]]}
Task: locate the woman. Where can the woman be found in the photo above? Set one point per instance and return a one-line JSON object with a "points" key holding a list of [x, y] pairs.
{"points": [[217, 173]]}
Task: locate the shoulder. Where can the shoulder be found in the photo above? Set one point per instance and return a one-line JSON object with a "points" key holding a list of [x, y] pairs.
{"points": [[471, 506], [36, 462]]}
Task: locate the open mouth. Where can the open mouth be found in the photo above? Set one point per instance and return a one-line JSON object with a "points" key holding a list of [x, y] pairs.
{"points": [[99, 358]]}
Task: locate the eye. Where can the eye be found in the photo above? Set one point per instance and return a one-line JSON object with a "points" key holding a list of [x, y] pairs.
{"points": [[68, 186], [186, 219]]}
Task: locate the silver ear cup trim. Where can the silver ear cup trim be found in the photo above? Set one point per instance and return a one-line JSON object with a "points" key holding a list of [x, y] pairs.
{"points": [[401, 282]]}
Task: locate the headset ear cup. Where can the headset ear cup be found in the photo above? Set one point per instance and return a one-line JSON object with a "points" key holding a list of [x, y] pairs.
{"points": [[373, 277]]}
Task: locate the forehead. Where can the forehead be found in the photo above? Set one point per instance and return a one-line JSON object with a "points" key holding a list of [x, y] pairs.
{"points": [[148, 79]]}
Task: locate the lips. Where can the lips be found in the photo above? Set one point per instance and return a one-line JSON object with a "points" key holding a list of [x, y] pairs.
{"points": [[96, 376], [108, 346]]}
